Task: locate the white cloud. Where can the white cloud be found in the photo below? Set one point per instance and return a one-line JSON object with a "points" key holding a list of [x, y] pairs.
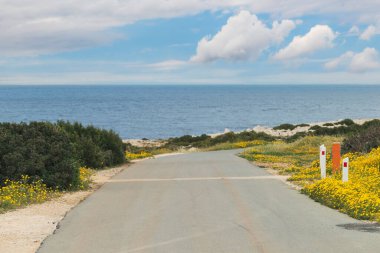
{"points": [[319, 37], [348, 10], [364, 61], [368, 33], [244, 37], [354, 30], [341, 60], [168, 65], [48, 26]]}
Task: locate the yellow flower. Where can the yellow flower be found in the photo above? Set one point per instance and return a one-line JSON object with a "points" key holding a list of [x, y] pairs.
{"points": [[141, 155]]}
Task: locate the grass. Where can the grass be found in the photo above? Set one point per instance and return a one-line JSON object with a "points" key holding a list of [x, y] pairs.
{"points": [[280, 155]]}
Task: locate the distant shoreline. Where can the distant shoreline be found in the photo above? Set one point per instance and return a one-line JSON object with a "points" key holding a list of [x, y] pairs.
{"points": [[258, 129]]}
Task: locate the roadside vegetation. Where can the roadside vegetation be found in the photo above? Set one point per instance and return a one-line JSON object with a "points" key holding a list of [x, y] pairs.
{"points": [[299, 158], [139, 155], [38, 160], [245, 139], [203, 142], [288, 126], [22, 192], [360, 196], [235, 145], [289, 158], [206, 141]]}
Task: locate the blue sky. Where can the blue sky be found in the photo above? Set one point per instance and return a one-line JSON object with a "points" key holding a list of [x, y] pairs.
{"points": [[189, 42]]}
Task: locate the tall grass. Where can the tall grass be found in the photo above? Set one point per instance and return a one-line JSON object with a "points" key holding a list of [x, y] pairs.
{"points": [[300, 152]]}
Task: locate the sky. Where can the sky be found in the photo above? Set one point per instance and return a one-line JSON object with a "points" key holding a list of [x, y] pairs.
{"points": [[189, 42]]}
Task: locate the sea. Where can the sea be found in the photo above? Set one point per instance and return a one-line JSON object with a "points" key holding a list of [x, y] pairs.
{"points": [[163, 111]]}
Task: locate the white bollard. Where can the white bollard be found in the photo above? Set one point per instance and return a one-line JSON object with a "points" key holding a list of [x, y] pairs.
{"points": [[322, 161], [345, 170]]}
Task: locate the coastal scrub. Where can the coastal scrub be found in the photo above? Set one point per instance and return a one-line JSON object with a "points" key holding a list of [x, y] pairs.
{"points": [[359, 197]]}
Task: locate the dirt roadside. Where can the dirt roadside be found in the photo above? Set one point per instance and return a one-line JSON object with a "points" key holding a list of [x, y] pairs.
{"points": [[23, 230]]}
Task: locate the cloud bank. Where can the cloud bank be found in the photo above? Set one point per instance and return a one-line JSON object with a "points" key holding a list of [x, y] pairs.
{"points": [[368, 33], [51, 26], [363, 61], [319, 37], [244, 37]]}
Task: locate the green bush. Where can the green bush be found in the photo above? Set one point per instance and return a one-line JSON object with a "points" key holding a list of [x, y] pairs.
{"points": [[339, 130], [54, 152], [363, 141], [205, 141], [40, 150], [187, 141], [302, 125], [285, 127], [347, 122], [95, 148]]}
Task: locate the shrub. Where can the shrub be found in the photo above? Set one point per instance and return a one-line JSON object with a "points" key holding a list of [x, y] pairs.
{"points": [[285, 127], [94, 148], [187, 140], [371, 123], [363, 141], [40, 150], [302, 125], [53, 153], [346, 122], [205, 141], [339, 130]]}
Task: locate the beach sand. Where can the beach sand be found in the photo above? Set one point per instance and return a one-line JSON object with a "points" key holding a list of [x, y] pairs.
{"points": [[287, 133]]}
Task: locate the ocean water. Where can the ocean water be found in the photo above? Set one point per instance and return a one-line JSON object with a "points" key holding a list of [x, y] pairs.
{"points": [[165, 111]]}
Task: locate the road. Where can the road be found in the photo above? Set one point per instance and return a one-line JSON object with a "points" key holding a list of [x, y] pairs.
{"points": [[205, 202]]}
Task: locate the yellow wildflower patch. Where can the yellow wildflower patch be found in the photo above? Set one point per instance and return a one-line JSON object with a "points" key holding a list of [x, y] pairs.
{"points": [[140, 155], [244, 144], [16, 194], [359, 197], [85, 178]]}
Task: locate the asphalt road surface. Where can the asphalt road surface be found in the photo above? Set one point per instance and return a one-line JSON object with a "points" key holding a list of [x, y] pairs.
{"points": [[205, 202]]}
